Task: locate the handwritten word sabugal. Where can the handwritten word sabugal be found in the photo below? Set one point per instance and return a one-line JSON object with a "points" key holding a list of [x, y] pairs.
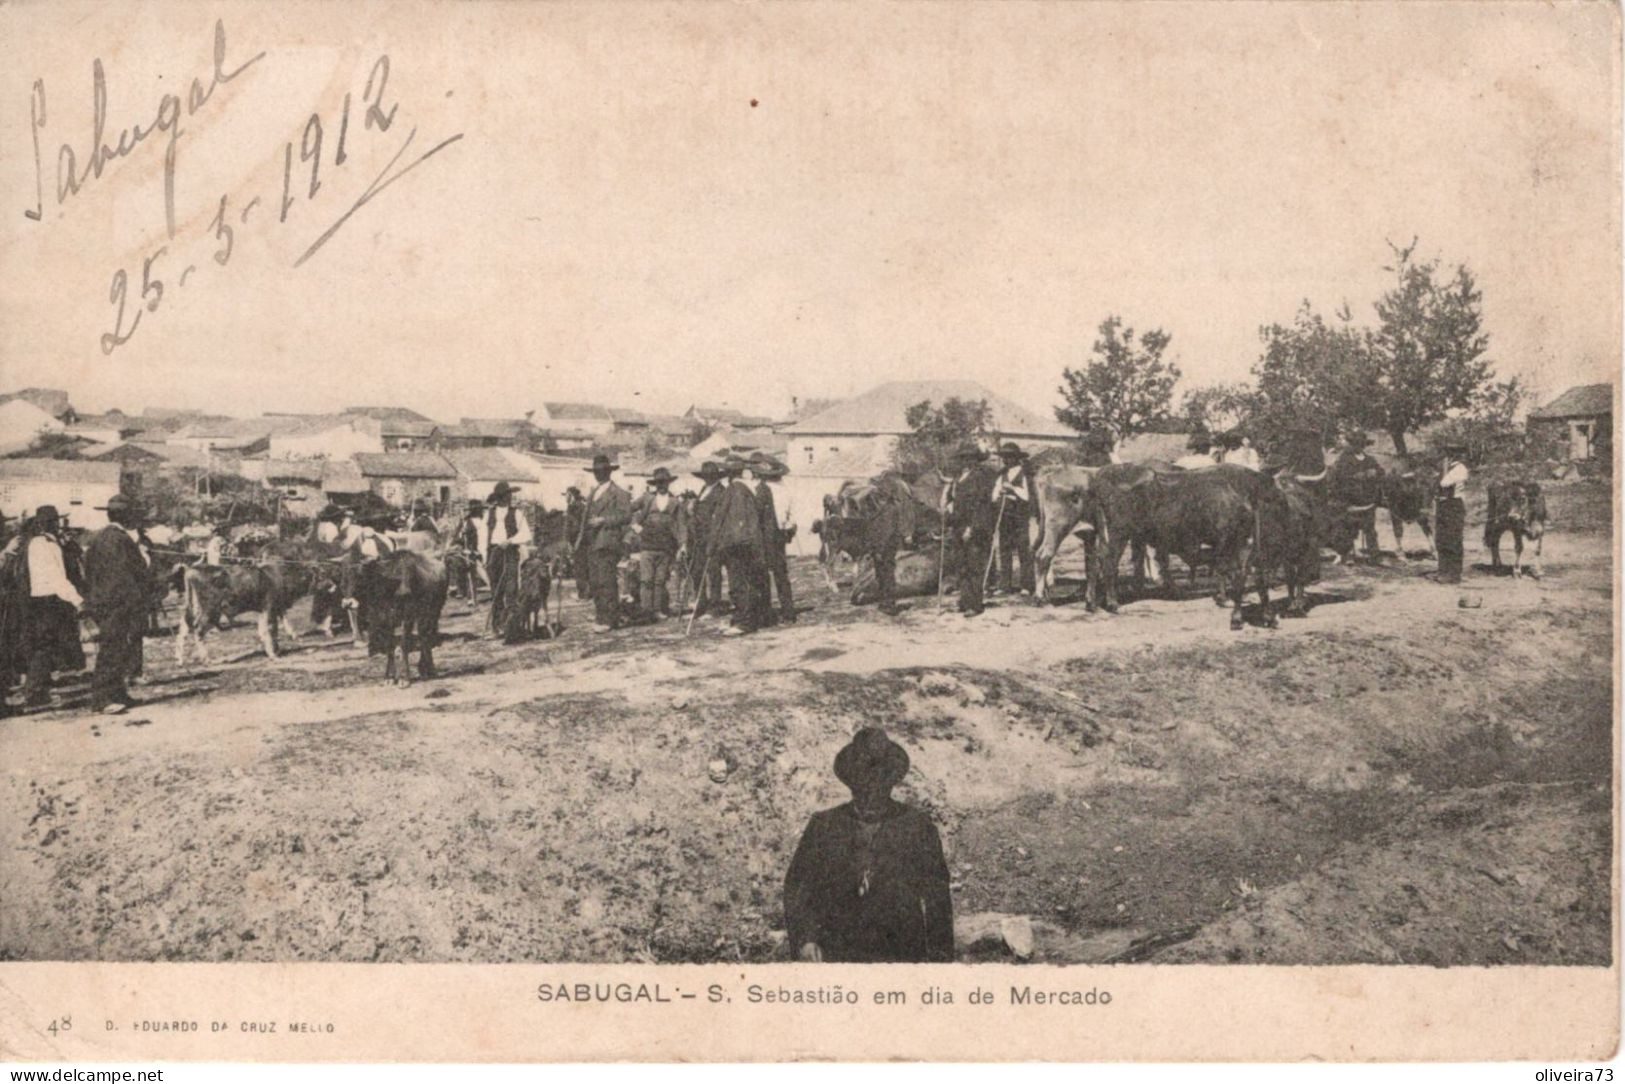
{"points": [[70, 177]]}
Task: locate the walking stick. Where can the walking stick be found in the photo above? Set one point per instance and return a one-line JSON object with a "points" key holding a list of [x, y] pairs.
{"points": [[998, 521], [942, 561]]}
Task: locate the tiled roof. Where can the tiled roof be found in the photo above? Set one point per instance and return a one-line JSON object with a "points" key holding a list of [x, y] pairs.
{"points": [[404, 465], [1581, 400], [882, 411], [488, 465], [577, 412], [72, 471]]}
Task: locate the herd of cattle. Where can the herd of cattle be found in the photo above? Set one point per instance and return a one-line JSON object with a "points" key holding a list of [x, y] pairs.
{"points": [[1252, 528]]}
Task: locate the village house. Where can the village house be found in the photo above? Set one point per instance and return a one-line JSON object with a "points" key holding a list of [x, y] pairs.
{"points": [[519, 433], [878, 418], [79, 490], [108, 428], [144, 461], [229, 438], [1581, 420], [403, 477], [591, 418], [480, 469], [323, 436], [401, 430], [299, 484], [727, 418]]}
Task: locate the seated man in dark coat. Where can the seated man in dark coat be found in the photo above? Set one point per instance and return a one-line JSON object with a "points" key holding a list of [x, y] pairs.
{"points": [[868, 883]]}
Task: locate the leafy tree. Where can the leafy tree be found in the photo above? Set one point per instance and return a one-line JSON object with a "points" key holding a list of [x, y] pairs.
{"points": [[1216, 408], [1126, 386], [1428, 350], [1422, 362], [1491, 427], [1313, 374], [936, 431]]}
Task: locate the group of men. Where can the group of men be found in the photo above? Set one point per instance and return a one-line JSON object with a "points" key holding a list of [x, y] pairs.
{"points": [[49, 581], [737, 527]]}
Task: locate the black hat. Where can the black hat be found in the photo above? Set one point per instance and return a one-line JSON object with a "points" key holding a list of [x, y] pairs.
{"points": [[500, 492], [476, 505], [603, 462], [330, 514], [969, 452], [710, 470], [661, 474], [1358, 439], [1010, 450], [1200, 441], [870, 760], [121, 507], [47, 513], [1230, 439], [1097, 437]]}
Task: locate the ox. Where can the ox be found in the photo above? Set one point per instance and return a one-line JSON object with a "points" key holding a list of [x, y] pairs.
{"points": [[1215, 514], [1408, 494], [403, 594], [210, 594], [1518, 507]]}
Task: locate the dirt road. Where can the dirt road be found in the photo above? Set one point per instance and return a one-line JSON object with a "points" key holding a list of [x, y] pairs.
{"points": [[1392, 779]]}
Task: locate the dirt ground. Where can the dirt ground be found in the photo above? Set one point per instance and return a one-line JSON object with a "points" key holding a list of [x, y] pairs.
{"points": [[1396, 778]]}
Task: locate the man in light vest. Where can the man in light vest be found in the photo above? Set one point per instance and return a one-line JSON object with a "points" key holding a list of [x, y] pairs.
{"points": [[507, 541], [1015, 497]]}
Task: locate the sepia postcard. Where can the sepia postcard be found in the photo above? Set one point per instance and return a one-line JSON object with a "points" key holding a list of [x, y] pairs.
{"points": [[825, 531]]}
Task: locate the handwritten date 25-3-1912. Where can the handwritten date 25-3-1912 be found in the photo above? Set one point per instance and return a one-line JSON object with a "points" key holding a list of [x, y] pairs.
{"points": [[307, 164]]}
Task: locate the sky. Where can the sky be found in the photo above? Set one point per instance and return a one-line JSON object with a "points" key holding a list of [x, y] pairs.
{"points": [[735, 204]]}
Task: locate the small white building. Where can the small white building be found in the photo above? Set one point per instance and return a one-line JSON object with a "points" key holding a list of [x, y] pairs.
{"points": [[480, 469], [877, 420], [329, 436], [576, 417], [80, 490]]}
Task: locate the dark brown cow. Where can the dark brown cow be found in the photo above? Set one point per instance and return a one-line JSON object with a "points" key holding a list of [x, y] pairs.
{"points": [[1518, 507], [403, 594], [1408, 492], [1214, 515]]}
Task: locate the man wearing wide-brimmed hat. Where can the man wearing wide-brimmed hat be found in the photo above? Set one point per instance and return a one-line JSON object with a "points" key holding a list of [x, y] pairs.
{"points": [[116, 599], [738, 544], [1016, 496], [607, 513], [778, 528], [1355, 484], [660, 523], [1097, 444], [1450, 511], [53, 604], [507, 537], [968, 512], [705, 575], [868, 882]]}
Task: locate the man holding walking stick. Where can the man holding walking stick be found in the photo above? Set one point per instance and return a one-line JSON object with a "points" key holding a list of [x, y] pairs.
{"points": [[969, 517]]}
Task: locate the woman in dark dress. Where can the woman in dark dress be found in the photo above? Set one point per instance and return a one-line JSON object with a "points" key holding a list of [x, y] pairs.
{"points": [[868, 882]]}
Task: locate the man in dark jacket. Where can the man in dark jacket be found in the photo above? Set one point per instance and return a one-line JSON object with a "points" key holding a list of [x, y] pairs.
{"points": [[777, 530], [608, 512], [969, 511], [868, 882], [116, 599], [1356, 485], [705, 575], [736, 545], [660, 523]]}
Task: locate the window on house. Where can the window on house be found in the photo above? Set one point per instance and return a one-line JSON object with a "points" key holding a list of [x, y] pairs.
{"points": [[809, 454]]}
